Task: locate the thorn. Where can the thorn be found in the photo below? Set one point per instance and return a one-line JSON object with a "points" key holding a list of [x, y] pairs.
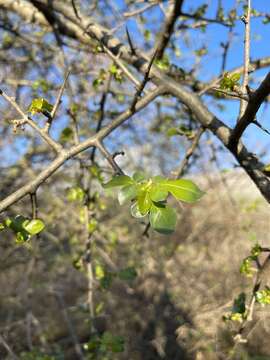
{"points": [[133, 50]]}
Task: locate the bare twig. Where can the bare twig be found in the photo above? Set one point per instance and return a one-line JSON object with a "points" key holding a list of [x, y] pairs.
{"points": [[56, 146], [8, 348], [168, 28], [246, 21], [57, 103], [139, 11], [109, 158], [254, 103], [64, 155], [190, 152]]}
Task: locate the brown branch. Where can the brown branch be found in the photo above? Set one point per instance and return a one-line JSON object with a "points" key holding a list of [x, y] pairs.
{"points": [[168, 28], [190, 152], [57, 103], [255, 101], [87, 30], [246, 21], [55, 146], [64, 155]]}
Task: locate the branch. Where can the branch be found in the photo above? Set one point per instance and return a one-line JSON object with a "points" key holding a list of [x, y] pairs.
{"points": [[64, 155], [87, 29], [254, 103], [168, 28], [57, 103], [190, 152], [43, 134], [246, 21]]}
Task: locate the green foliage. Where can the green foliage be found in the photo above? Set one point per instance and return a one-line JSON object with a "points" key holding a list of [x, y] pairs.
{"points": [[66, 135], [96, 172], [228, 82], [41, 84], [22, 227], [116, 73], [75, 193], [163, 219], [100, 79], [263, 296], [201, 10], [99, 347], [40, 105], [149, 197], [266, 20], [202, 51], [37, 354], [246, 266], [182, 131], [163, 64], [106, 277], [238, 312]]}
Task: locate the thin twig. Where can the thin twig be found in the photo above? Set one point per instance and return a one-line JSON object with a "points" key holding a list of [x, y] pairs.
{"points": [[246, 21], [57, 103], [190, 152], [143, 83], [56, 146], [109, 158], [168, 28]]}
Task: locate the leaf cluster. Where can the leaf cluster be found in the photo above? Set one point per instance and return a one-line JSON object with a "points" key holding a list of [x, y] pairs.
{"points": [[148, 197]]}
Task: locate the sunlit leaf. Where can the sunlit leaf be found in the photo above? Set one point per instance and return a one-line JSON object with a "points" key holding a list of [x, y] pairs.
{"points": [[34, 226], [119, 180], [182, 189], [127, 193], [163, 219]]}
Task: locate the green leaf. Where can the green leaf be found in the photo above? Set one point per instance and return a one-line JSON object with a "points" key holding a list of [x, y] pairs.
{"points": [[75, 194], [40, 105], [66, 134], [173, 132], [92, 226], [119, 180], [16, 223], [127, 193], [158, 194], [144, 202], [163, 219], [34, 226], [182, 189], [135, 212], [139, 176], [127, 274], [263, 296], [236, 77], [22, 237], [113, 343], [2, 226], [99, 271], [239, 305]]}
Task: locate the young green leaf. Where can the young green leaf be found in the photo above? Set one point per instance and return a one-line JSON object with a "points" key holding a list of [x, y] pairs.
{"points": [[40, 105], [144, 202], [163, 219], [158, 194], [182, 189], [75, 194], [127, 193], [139, 176], [34, 226], [135, 212], [119, 180]]}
